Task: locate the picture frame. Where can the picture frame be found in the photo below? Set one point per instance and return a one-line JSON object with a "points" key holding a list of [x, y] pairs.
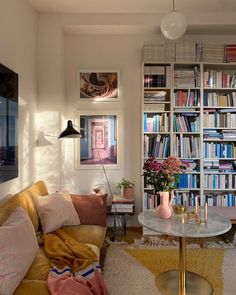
{"points": [[99, 85], [100, 140]]}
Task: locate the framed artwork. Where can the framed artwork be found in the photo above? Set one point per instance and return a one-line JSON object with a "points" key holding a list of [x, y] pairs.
{"points": [[99, 85], [100, 140]]}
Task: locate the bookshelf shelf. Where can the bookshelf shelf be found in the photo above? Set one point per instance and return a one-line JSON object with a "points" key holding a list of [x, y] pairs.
{"points": [[188, 133], [200, 127], [155, 88]]}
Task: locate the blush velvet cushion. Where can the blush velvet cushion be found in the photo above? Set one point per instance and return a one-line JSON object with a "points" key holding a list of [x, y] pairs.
{"points": [[18, 248], [56, 210], [92, 210]]}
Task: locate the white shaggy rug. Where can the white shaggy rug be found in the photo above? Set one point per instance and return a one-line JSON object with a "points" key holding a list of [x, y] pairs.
{"points": [[124, 275]]}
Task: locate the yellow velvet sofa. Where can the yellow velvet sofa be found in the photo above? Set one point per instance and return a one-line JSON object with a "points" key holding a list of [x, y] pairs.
{"points": [[35, 280]]}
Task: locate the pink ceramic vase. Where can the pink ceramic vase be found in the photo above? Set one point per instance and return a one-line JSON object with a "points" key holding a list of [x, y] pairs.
{"points": [[164, 210]]}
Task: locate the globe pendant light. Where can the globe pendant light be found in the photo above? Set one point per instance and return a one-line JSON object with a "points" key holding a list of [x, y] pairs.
{"points": [[173, 24]]}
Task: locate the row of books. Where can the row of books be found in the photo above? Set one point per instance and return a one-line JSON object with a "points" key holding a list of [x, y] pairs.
{"points": [[150, 200], [222, 200], [219, 166], [185, 198], [188, 181], [186, 146], [220, 118], [219, 99], [157, 76], [187, 122], [158, 146], [220, 181], [219, 79], [189, 52], [224, 135], [219, 150], [188, 199], [156, 123], [188, 98]]}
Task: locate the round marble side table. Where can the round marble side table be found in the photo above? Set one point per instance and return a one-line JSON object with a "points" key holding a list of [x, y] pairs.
{"points": [[180, 226]]}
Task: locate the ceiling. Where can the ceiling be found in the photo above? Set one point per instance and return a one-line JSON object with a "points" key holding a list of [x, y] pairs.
{"points": [[132, 6], [139, 16]]}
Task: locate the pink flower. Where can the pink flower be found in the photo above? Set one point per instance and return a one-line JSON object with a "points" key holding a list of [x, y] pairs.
{"points": [[163, 175]]}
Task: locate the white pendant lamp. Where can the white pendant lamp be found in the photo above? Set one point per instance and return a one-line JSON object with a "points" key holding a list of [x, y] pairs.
{"points": [[173, 24]]}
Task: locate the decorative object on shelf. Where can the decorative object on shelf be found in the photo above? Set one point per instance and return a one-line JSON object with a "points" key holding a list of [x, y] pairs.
{"points": [[128, 188], [173, 24], [163, 176]]}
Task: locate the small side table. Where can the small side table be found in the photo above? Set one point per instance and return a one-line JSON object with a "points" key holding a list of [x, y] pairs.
{"points": [[122, 216]]}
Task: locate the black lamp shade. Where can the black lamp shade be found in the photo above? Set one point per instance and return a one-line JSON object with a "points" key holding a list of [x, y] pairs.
{"points": [[70, 131]]}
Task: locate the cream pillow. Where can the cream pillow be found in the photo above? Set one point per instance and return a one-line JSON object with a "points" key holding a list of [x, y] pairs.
{"points": [[55, 211], [18, 247]]}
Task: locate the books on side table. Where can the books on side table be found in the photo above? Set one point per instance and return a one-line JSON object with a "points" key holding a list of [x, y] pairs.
{"points": [[122, 204]]}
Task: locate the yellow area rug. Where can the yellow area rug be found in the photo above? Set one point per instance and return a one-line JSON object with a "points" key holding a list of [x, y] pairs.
{"points": [[205, 262], [132, 271]]}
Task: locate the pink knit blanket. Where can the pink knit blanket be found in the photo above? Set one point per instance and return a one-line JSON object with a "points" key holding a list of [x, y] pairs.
{"points": [[75, 268]]}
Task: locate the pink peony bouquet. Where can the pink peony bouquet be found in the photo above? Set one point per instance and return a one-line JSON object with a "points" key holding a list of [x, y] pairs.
{"points": [[163, 176]]}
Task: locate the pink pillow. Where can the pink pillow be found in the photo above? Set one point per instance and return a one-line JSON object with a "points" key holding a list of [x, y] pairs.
{"points": [[56, 210], [91, 209], [18, 245]]}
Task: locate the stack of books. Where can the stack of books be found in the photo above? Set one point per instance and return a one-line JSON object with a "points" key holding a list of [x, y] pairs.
{"points": [[154, 52], [230, 53], [122, 204], [185, 52], [213, 53]]}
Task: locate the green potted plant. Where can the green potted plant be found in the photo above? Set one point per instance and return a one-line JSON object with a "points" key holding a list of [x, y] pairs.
{"points": [[127, 187]]}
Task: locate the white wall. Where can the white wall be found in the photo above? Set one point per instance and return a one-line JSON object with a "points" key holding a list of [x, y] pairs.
{"points": [[92, 51], [18, 44], [51, 99]]}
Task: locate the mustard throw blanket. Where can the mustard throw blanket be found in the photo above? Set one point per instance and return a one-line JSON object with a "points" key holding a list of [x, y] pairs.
{"points": [[74, 266]]}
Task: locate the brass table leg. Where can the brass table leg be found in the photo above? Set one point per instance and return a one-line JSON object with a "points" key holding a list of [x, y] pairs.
{"points": [[182, 262], [188, 283]]}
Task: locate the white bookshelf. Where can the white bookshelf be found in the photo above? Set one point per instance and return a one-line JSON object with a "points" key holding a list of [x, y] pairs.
{"points": [[200, 104]]}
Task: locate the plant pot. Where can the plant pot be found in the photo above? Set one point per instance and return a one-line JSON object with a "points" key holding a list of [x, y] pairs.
{"points": [[128, 192]]}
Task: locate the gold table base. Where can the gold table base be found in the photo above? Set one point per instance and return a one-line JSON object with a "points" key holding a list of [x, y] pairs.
{"points": [[168, 284]]}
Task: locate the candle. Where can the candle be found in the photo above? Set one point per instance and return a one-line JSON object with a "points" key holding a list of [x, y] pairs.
{"points": [[196, 205], [206, 211]]}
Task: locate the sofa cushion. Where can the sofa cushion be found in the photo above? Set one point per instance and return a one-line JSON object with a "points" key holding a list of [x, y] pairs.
{"points": [[40, 267], [24, 199], [88, 234], [92, 210], [18, 246], [32, 287], [55, 211]]}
